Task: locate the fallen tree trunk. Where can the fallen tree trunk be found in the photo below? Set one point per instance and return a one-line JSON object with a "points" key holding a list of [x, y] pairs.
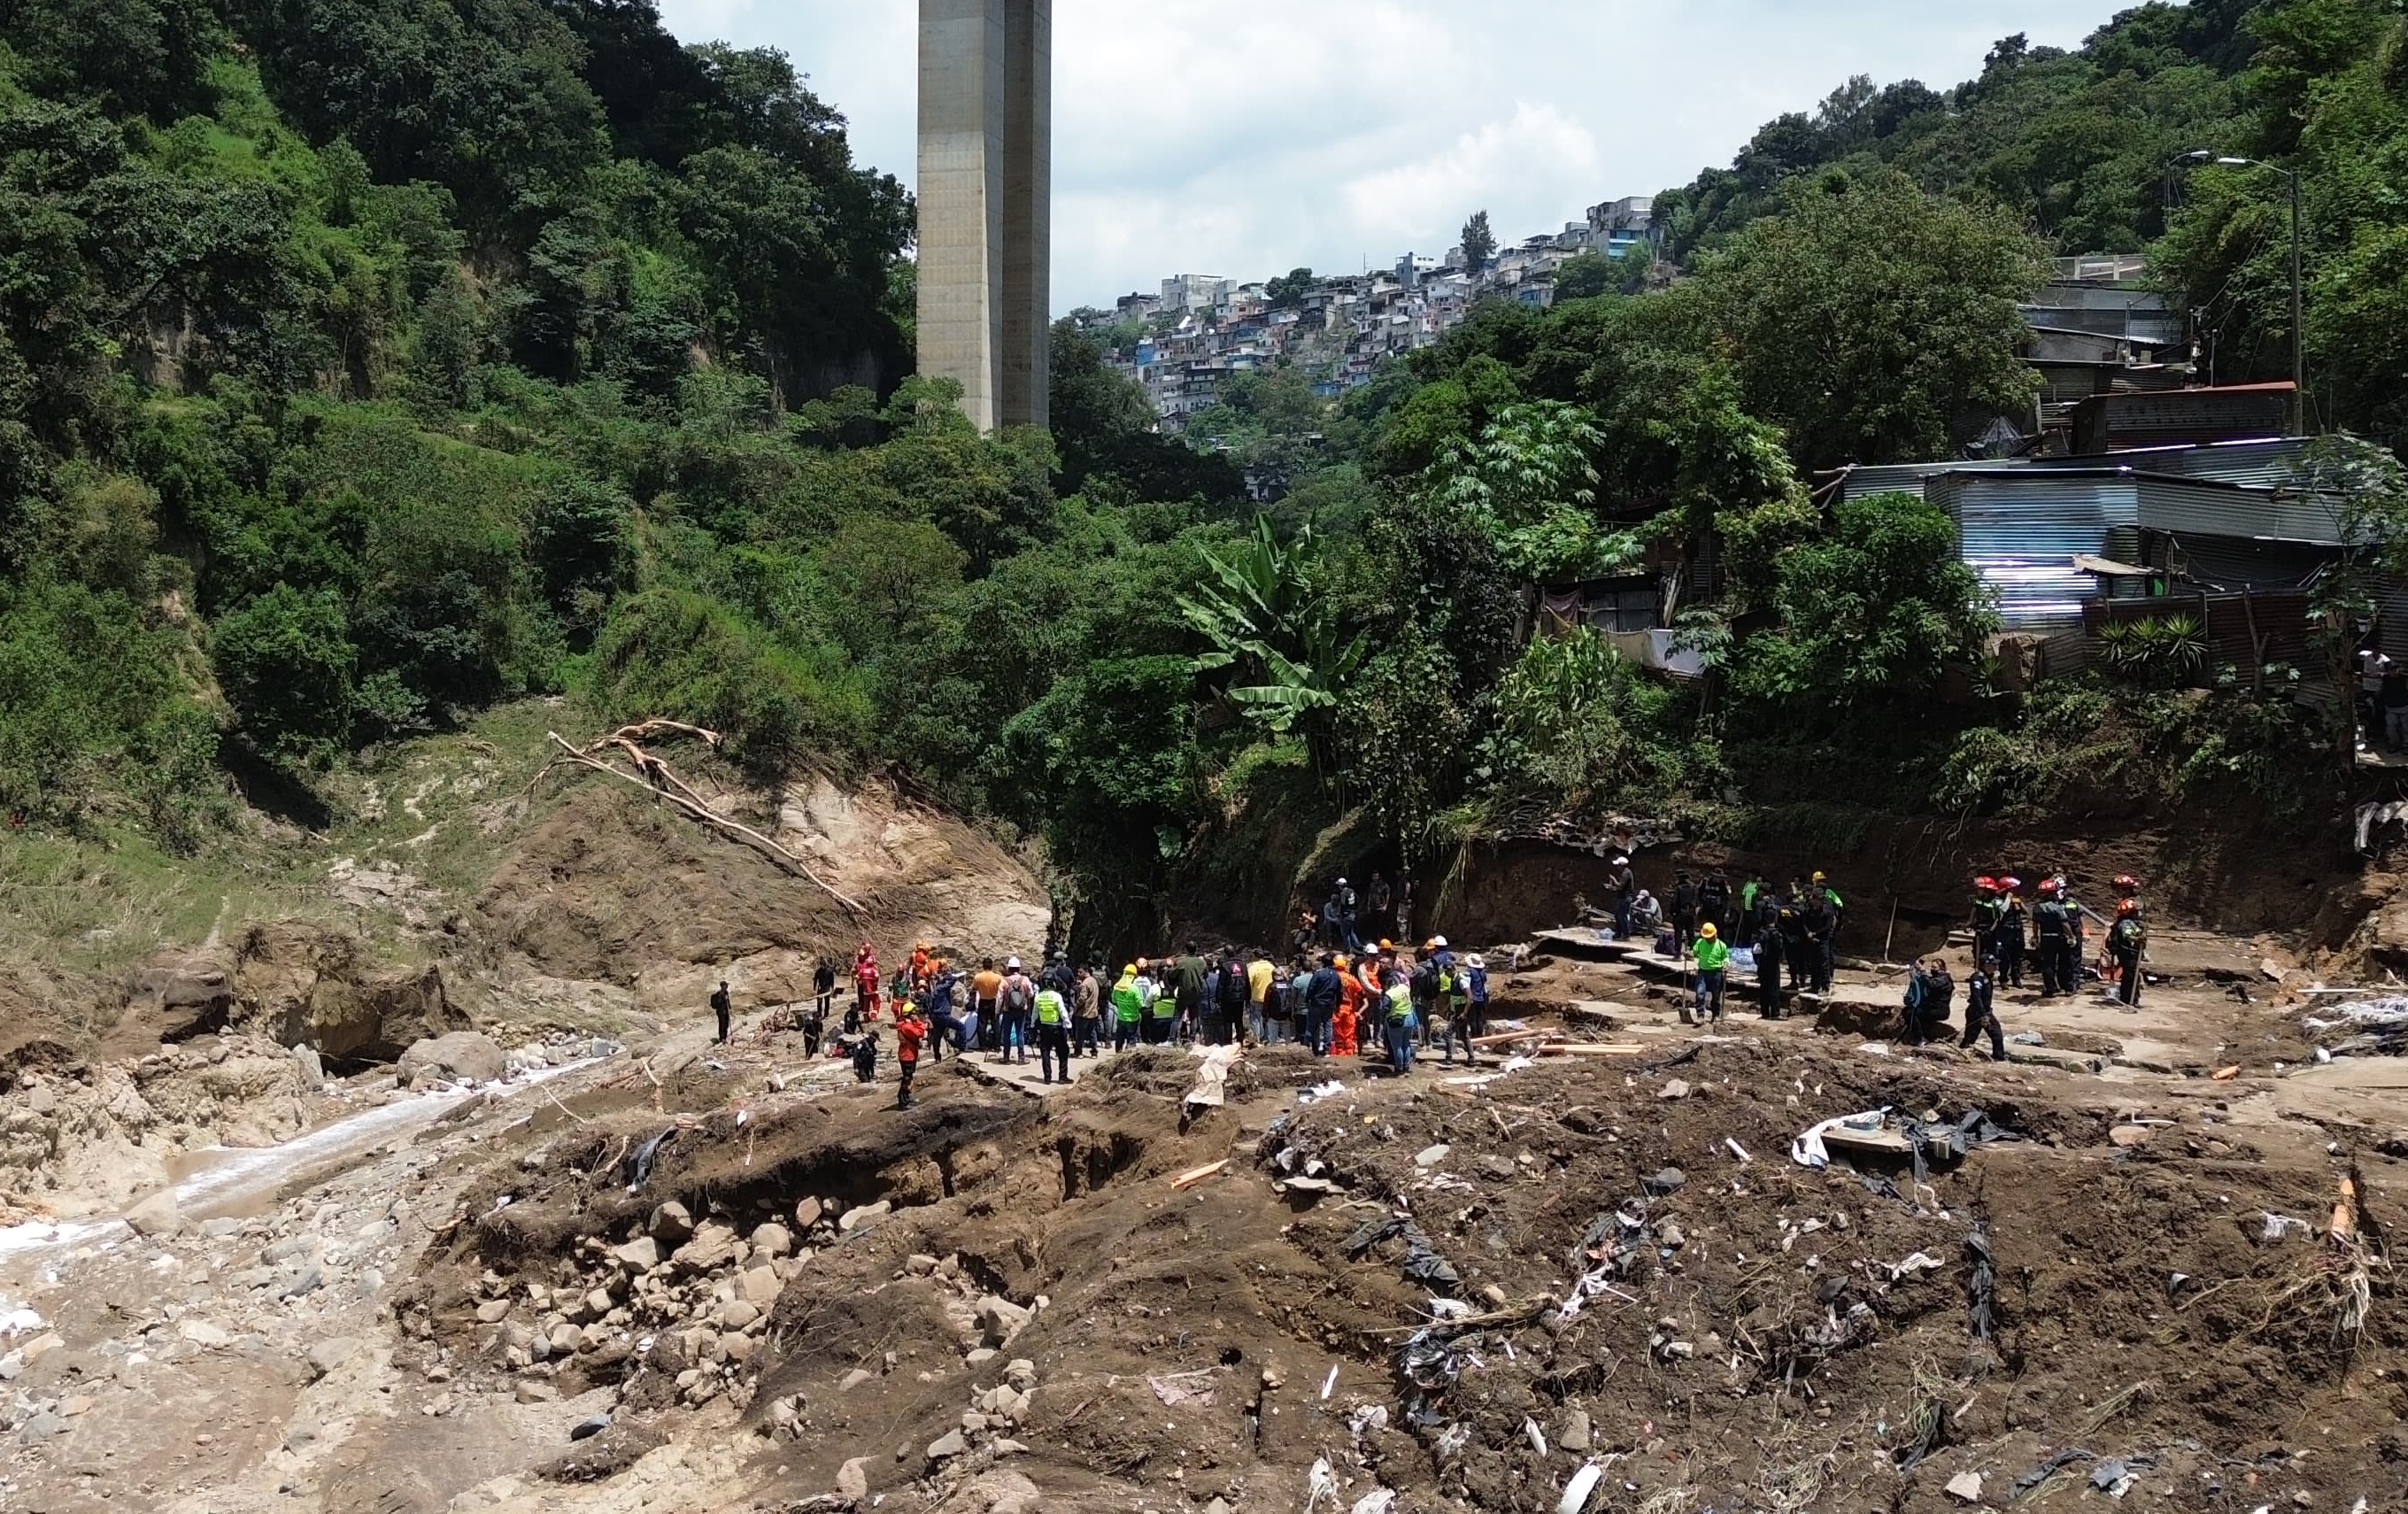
{"points": [[655, 777]]}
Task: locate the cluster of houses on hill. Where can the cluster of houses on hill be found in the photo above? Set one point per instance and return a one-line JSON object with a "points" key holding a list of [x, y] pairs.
{"points": [[1202, 328]]}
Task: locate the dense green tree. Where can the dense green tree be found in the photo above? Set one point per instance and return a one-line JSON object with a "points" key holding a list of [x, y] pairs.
{"points": [[289, 668], [1479, 242], [1874, 322]]}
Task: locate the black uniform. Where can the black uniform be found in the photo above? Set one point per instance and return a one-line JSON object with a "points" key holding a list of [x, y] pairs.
{"points": [[1791, 922], [2013, 920], [1982, 1015], [1715, 903], [2048, 933], [2069, 970], [1768, 946], [1820, 926], [2126, 938], [722, 1008], [1685, 911]]}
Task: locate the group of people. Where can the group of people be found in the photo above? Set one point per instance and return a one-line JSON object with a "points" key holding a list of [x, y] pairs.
{"points": [[2052, 933], [1344, 917], [1705, 919], [1337, 1004]]}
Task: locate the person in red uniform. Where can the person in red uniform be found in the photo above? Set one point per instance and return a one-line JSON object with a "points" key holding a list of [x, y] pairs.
{"points": [[911, 1032], [865, 986]]}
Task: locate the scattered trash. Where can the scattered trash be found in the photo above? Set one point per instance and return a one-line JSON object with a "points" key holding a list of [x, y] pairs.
{"points": [[2226, 1074], [588, 1428], [1808, 1149], [1378, 1501], [2027, 1038], [1674, 1089], [639, 1161], [1319, 1091], [1966, 1487], [1668, 1181], [1175, 1391], [1211, 1087], [2113, 1477], [1197, 1175], [1450, 1443], [1432, 1155], [1578, 1492], [2033, 1478], [1531, 1433], [1422, 1264], [1368, 1419], [1981, 1284], [1737, 1150], [1921, 1261], [1328, 1383], [2279, 1227], [1320, 1482]]}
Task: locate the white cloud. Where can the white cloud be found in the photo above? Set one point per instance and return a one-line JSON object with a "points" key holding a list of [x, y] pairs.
{"points": [[1248, 136]]}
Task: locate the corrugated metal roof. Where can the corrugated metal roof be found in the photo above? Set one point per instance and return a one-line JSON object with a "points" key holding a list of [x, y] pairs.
{"points": [[2021, 529], [1909, 478], [2225, 563], [2205, 505]]}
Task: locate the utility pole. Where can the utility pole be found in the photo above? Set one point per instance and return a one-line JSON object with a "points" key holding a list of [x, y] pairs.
{"points": [[2299, 283]]}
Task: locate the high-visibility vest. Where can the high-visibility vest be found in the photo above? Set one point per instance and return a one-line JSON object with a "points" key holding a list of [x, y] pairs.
{"points": [[1049, 1009], [1400, 1003], [1128, 1006]]}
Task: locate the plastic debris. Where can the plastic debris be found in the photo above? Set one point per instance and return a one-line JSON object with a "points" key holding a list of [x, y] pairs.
{"points": [[2113, 1477], [1320, 1482], [1422, 1264], [1982, 1284], [2279, 1227], [639, 1161], [1808, 1149], [2048, 1469], [1319, 1091], [1578, 1492], [1328, 1383], [1378, 1501], [1535, 1436]]}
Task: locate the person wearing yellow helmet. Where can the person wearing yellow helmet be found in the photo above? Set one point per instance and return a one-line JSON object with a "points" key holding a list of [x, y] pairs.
{"points": [[1714, 961], [1129, 1005]]}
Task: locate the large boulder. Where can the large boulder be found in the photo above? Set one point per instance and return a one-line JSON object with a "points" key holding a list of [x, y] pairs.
{"points": [[185, 993], [461, 1055], [306, 984]]}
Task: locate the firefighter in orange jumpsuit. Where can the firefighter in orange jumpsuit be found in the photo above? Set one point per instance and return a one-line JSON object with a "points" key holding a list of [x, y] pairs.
{"points": [[1341, 1024]]}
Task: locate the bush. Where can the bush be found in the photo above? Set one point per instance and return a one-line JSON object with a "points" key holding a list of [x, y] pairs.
{"points": [[84, 675], [677, 655], [288, 667]]}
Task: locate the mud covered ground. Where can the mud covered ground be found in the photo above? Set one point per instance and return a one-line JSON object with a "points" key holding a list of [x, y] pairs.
{"points": [[1001, 1302]]}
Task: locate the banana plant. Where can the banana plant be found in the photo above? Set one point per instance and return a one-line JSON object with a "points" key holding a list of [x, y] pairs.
{"points": [[1273, 630]]}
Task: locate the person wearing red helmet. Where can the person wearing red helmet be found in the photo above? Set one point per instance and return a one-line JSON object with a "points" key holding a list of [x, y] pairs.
{"points": [[1985, 913], [2014, 927]]}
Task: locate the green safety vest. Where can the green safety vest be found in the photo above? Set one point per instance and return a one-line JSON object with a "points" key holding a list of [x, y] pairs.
{"points": [[1049, 1009], [1400, 1003], [1126, 1007]]}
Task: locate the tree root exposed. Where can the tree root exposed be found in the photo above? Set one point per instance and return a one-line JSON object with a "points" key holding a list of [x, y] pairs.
{"points": [[658, 779]]}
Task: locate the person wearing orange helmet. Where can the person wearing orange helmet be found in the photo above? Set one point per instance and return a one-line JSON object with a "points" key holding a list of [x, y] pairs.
{"points": [[2126, 940], [2014, 926]]}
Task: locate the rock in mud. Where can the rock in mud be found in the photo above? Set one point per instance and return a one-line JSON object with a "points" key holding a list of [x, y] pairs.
{"points": [[947, 1445], [329, 1354], [853, 1479], [671, 1225], [462, 1054], [156, 1216]]}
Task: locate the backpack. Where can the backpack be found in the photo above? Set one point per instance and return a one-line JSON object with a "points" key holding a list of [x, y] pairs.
{"points": [[1015, 993]]}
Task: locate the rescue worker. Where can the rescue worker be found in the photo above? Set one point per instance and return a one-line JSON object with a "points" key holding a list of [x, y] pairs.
{"points": [[1981, 1009], [1421, 992], [986, 1002], [1348, 1015], [1346, 1019], [2077, 936], [1350, 913], [1714, 961], [1625, 884], [2048, 940], [1715, 903], [1790, 920], [1647, 917], [1837, 909], [1768, 947], [724, 1007], [2126, 940], [2014, 926], [1454, 1002], [1476, 981], [1683, 912], [1053, 1032], [1821, 924], [1750, 893], [1985, 917], [865, 988], [910, 1029], [865, 1057], [1128, 1008], [919, 978]]}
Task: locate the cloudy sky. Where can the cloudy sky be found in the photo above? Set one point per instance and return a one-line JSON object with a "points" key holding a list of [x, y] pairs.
{"points": [[1243, 138]]}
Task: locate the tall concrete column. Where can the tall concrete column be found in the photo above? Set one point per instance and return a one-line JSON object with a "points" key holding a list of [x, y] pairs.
{"points": [[986, 107]]}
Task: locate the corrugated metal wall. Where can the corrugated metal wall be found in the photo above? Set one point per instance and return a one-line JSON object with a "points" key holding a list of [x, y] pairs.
{"points": [[2021, 534], [2237, 624], [2211, 509]]}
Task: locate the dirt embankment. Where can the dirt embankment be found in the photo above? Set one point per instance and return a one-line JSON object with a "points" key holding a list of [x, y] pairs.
{"points": [[613, 889]]}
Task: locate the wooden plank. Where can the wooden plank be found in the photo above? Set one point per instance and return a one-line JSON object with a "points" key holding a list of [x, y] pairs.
{"points": [[1885, 1142], [1580, 1048], [1190, 1178]]}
